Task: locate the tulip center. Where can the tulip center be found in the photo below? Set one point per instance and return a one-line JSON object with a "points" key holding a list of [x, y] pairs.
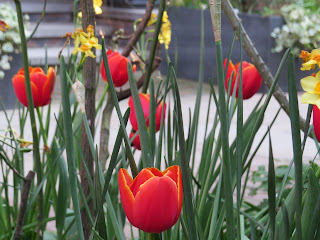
{"points": [[317, 88]]}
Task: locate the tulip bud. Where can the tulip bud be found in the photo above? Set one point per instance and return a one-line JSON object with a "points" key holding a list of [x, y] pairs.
{"points": [[41, 86], [145, 103], [316, 121], [118, 68], [251, 79], [152, 201]]}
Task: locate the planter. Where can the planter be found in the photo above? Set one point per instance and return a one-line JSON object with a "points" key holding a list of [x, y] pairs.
{"points": [[7, 94], [186, 30]]}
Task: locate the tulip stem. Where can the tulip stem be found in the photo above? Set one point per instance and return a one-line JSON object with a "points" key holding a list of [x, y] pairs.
{"points": [[36, 151], [152, 236]]}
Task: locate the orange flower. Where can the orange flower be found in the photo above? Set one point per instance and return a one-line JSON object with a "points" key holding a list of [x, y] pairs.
{"points": [[152, 201], [118, 68], [316, 121], [145, 103], [41, 86], [251, 79], [136, 141]]}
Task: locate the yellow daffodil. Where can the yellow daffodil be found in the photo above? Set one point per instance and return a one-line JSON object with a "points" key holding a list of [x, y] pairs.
{"points": [[97, 6], [165, 31], [152, 19], [86, 49], [165, 34], [311, 85], [85, 41], [310, 60]]}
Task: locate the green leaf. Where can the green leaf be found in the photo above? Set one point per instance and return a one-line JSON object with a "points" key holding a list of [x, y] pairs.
{"points": [[271, 190], [296, 141], [68, 135], [309, 205], [187, 191]]}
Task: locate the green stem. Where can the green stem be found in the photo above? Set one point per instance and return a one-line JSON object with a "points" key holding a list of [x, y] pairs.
{"points": [[36, 152], [154, 46]]}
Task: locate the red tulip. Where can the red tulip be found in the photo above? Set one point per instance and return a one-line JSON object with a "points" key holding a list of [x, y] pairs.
{"points": [[41, 86], [316, 121], [145, 103], [136, 141], [152, 201], [251, 78], [118, 68]]}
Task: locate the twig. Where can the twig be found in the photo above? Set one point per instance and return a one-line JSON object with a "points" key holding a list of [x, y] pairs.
{"points": [[105, 132], [140, 29], [39, 21], [89, 68], [23, 205], [257, 60]]}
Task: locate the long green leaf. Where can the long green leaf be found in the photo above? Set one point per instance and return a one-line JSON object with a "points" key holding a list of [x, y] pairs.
{"points": [[239, 137], [271, 189], [68, 135], [188, 199], [146, 151], [296, 141], [228, 193], [133, 166]]}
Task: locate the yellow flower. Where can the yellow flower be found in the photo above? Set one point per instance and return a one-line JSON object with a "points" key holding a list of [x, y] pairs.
{"points": [[152, 19], [87, 41], [311, 85], [310, 60], [86, 49], [165, 34], [97, 6]]}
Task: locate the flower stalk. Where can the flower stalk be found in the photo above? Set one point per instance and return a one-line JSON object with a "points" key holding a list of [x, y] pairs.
{"points": [[36, 151]]}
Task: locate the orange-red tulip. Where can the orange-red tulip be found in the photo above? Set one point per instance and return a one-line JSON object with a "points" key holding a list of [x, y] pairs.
{"points": [[145, 103], [316, 121], [118, 68], [251, 79], [41, 86], [152, 201], [136, 141]]}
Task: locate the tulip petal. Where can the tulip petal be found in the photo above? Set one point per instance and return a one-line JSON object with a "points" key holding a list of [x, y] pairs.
{"points": [[142, 177], [251, 81], [136, 141], [127, 198], [20, 89], [174, 172], [47, 89], [158, 115], [145, 103], [316, 121], [155, 172], [156, 205], [231, 68]]}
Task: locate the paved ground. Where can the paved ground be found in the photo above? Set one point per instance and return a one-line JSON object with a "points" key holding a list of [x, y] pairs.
{"points": [[280, 132]]}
